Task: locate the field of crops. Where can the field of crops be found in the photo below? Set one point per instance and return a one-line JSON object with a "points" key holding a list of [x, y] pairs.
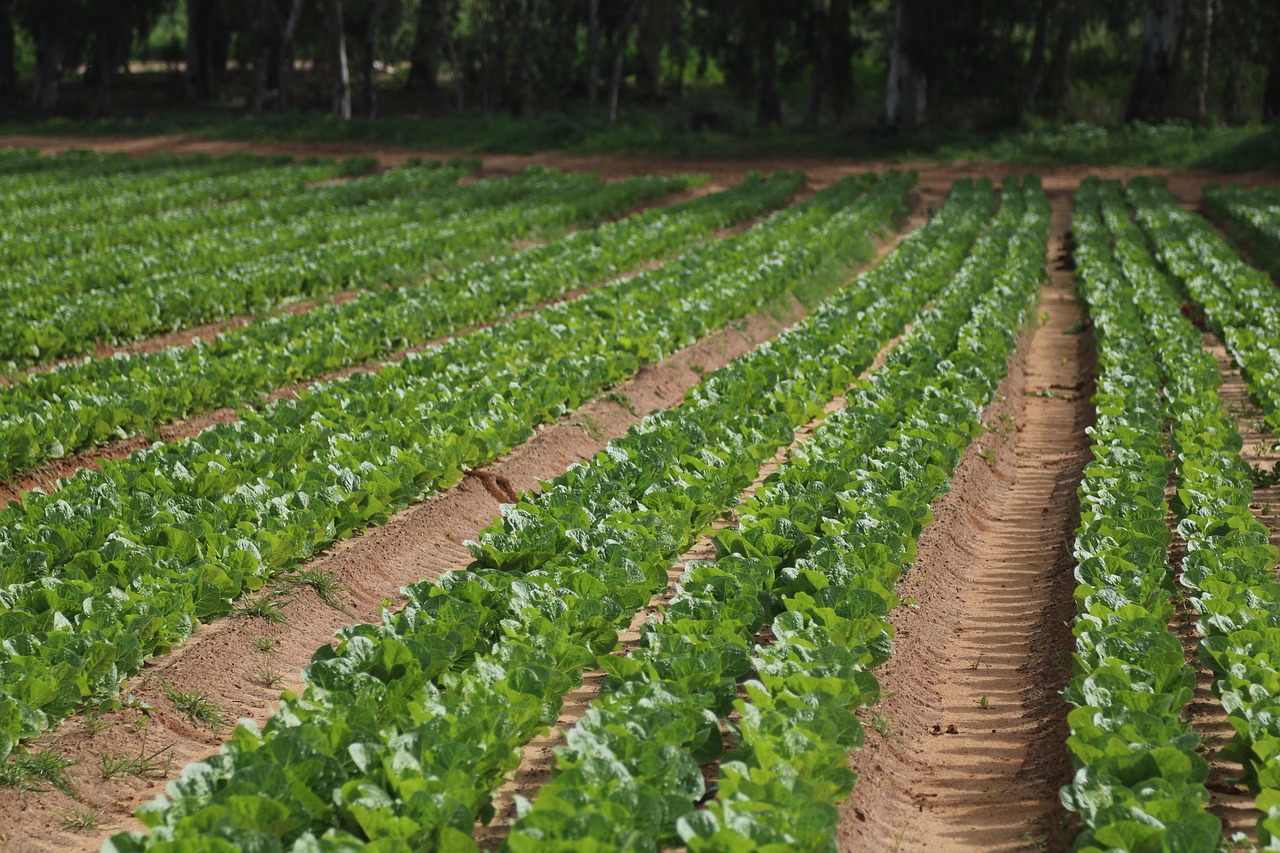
{"points": [[444, 507]]}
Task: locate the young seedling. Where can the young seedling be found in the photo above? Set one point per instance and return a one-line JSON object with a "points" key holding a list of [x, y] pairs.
{"points": [[266, 645]]}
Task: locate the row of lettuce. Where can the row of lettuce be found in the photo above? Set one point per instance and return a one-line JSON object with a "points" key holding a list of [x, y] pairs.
{"points": [[1141, 774], [397, 241], [120, 563], [87, 404], [775, 639], [1253, 217], [407, 727]]}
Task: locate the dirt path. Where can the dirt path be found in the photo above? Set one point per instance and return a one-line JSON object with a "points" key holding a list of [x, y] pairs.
{"points": [[241, 664], [966, 752], [822, 171]]}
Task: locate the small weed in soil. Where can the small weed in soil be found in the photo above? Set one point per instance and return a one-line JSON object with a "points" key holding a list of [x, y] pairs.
{"points": [[325, 583], [36, 772], [268, 606], [144, 765], [83, 818], [197, 706]]}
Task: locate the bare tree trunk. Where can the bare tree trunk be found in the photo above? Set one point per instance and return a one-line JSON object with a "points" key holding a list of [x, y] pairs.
{"points": [[1271, 91], [839, 77], [342, 80], [821, 47], [1033, 77], [48, 62], [593, 55], [8, 68], [258, 82], [369, 107], [1202, 96], [649, 49], [1154, 95], [105, 59], [196, 86], [425, 58], [1057, 82], [288, 37], [615, 81], [904, 100], [518, 86], [453, 59], [768, 99]]}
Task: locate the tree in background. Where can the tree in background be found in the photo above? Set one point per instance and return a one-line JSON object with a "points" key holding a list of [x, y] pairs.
{"points": [[971, 63]]}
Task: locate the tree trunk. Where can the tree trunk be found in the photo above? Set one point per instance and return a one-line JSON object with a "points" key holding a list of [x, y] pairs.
{"points": [[8, 69], [342, 73], [288, 37], [1057, 82], [196, 84], [48, 60], [1154, 95], [593, 55], [369, 107], [619, 54], [768, 99], [904, 100], [105, 59], [453, 59], [649, 49], [258, 81], [1033, 77], [1206, 48], [424, 60], [518, 85], [1271, 92], [839, 77]]}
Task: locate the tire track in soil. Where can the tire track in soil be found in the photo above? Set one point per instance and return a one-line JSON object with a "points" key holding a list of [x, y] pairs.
{"points": [[420, 542], [966, 751], [1230, 801], [538, 762], [48, 477]]}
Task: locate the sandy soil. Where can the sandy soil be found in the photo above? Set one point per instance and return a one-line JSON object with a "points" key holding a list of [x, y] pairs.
{"points": [[966, 751]]}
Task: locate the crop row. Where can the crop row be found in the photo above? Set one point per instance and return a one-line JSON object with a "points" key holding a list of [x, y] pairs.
{"points": [[1253, 217], [119, 564], [807, 577], [22, 167], [1240, 303], [553, 582], [1229, 570], [1139, 781], [426, 239], [84, 405], [28, 252], [225, 182], [56, 194], [313, 220]]}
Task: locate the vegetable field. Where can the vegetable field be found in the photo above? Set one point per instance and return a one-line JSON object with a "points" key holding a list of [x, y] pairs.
{"points": [[452, 505]]}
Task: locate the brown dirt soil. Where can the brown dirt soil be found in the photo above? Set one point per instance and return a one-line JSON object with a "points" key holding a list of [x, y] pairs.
{"points": [[821, 171], [972, 753], [538, 761], [226, 661]]}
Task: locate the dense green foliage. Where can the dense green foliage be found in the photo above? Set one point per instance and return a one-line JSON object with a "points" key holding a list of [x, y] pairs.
{"points": [[120, 563]]}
